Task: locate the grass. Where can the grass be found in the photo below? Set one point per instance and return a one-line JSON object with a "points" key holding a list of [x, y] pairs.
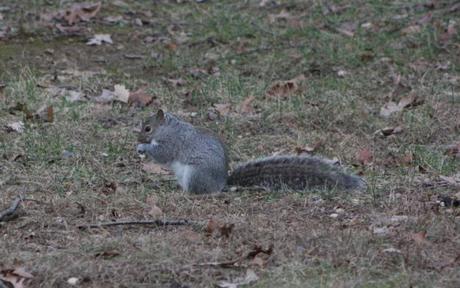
{"points": [[82, 167]]}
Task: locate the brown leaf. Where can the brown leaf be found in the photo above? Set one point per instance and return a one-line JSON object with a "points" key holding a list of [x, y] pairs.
{"points": [[387, 131], [451, 180], [212, 226], [284, 89], [16, 277], [153, 210], [411, 30], [258, 249], [425, 19], [223, 109], [109, 188], [389, 108], [419, 238], [248, 279], [151, 167], [272, 18], [407, 101], [347, 29], [407, 159], [305, 150], [246, 106], [226, 229], [140, 98], [105, 97], [450, 32], [44, 114], [69, 30], [79, 12], [177, 82], [364, 156], [453, 150], [258, 261]]}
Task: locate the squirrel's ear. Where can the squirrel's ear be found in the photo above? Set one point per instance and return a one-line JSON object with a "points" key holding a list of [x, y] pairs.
{"points": [[160, 115]]}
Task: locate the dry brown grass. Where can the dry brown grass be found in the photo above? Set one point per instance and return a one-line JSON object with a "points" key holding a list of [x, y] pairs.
{"points": [[393, 235]]}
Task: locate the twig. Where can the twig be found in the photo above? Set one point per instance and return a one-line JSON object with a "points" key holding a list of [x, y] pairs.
{"points": [[9, 213], [157, 222], [225, 264]]}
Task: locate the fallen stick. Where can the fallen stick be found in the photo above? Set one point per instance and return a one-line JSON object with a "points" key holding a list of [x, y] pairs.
{"points": [[9, 213], [157, 222]]}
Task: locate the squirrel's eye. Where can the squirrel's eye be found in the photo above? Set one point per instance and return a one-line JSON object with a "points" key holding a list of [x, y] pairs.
{"points": [[147, 129]]}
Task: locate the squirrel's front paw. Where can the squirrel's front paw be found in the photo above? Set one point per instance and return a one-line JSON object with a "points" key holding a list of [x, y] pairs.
{"points": [[142, 148]]}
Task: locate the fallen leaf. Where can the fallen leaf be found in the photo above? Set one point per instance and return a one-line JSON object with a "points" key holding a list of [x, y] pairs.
{"points": [[364, 156], [152, 208], [69, 30], [263, 3], [283, 89], [425, 18], [450, 32], [391, 107], [44, 114], [387, 131], [114, 19], [151, 167], [258, 261], [15, 277], [407, 101], [177, 82], [407, 159], [74, 96], [246, 106], [419, 238], [392, 250], [272, 18], [99, 39], [212, 226], [304, 150], [258, 249], [223, 109], [15, 127], [248, 279], [381, 231], [411, 30], [72, 281], [347, 28], [105, 97], [79, 12], [451, 180], [226, 229], [121, 93], [140, 98], [109, 188], [453, 150]]}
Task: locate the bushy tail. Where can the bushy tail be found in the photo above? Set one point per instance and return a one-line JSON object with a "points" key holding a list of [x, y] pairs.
{"points": [[295, 172]]}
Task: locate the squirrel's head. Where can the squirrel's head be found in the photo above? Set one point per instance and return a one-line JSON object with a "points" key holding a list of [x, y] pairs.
{"points": [[150, 125]]}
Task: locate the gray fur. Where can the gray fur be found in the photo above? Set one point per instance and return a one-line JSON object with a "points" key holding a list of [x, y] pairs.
{"points": [[295, 172], [202, 158], [204, 152]]}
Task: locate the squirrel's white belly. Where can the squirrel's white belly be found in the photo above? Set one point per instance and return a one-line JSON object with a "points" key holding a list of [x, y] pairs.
{"points": [[183, 173]]}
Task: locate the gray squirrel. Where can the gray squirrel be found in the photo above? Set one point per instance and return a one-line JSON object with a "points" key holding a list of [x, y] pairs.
{"points": [[199, 160]]}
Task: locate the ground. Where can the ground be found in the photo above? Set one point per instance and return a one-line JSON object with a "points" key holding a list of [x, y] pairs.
{"points": [[372, 84]]}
